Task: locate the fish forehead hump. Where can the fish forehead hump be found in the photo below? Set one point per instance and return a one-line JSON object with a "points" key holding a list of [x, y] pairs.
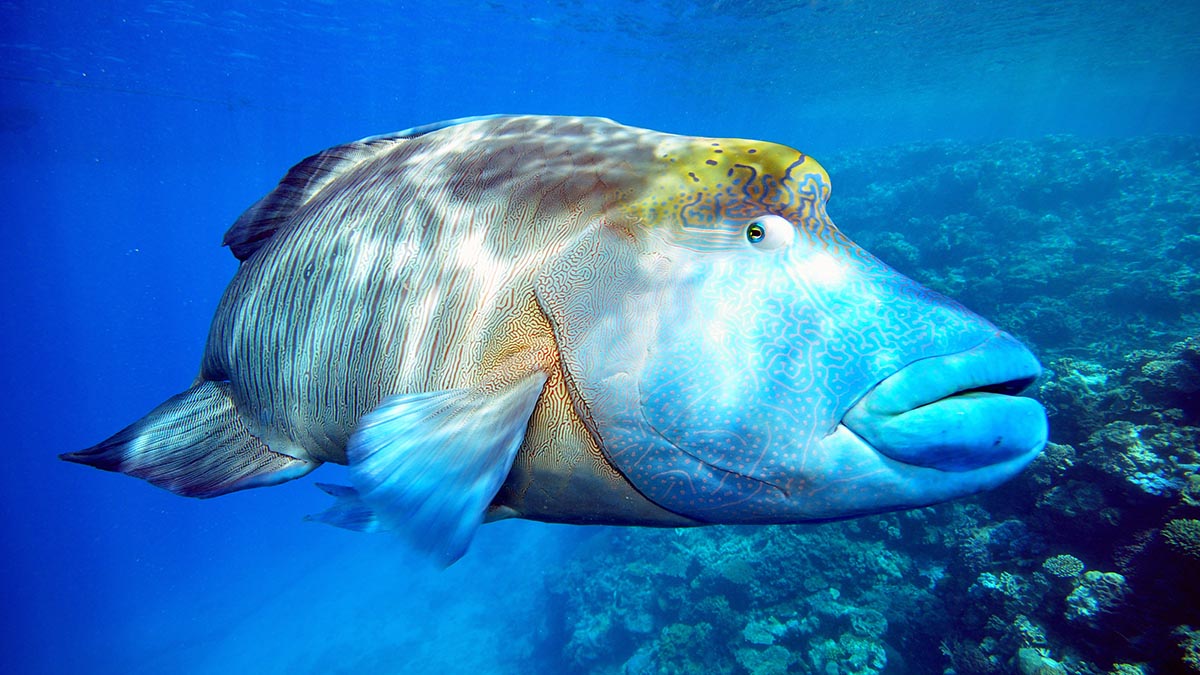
{"points": [[707, 183], [639, 177]]}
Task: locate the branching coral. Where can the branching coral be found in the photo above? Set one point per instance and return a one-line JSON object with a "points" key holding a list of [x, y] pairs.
{"points": [[1189, 642], [1182, 535], [1063, 566]]}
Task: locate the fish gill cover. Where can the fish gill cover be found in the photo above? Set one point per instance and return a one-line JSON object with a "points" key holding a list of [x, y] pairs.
{"points": [[137, 131]]}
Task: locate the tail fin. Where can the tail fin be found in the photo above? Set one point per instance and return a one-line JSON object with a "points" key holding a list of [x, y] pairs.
{"points": [[195, 444]]}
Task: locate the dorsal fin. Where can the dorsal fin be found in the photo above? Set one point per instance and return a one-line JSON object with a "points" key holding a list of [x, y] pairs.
{"points": [[303, 181]]}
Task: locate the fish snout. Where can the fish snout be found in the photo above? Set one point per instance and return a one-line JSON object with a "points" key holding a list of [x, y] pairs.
{"points": [[956, 412]]}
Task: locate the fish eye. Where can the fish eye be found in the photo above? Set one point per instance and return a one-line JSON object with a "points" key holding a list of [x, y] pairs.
{"points": [[770, 232]]}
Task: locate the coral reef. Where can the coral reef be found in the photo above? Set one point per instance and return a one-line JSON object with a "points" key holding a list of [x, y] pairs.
{"points": [[1085, 564]]}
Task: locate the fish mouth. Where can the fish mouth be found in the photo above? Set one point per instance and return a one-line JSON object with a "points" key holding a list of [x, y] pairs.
{"points": [[957, 412]]}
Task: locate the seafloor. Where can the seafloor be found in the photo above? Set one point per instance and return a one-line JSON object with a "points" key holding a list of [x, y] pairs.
{"points": [[1089, 562]]}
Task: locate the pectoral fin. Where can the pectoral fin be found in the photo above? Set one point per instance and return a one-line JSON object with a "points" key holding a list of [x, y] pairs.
{"points": [[348, 512], [428, 464]]}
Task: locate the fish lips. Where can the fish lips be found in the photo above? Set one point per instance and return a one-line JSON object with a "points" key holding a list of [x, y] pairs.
{"points": [[956, 412]]}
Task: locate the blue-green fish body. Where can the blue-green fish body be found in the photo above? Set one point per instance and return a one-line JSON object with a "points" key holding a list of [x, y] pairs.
{"points": [[570, 320]]}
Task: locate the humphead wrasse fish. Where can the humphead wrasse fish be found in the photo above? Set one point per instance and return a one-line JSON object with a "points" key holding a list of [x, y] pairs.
{"points": [[570, 320]]}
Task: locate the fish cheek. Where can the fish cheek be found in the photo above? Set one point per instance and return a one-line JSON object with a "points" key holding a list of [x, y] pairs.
{"points": [[603, 300], [614, 308]]}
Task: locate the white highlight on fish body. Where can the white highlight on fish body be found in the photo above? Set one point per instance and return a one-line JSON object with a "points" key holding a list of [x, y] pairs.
{"points": [[822, 270]]}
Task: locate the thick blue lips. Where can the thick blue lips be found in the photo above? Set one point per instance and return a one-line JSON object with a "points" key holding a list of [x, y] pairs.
{"points": [[956, 412]]}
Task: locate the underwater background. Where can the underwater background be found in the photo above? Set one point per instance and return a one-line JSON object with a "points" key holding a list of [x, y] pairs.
{"points": [[1038, 161]]}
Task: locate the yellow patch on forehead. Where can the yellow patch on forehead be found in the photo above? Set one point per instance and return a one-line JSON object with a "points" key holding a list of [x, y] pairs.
{"points": [[708, 182]]}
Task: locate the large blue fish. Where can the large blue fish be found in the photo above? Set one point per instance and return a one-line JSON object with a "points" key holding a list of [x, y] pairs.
{"points": [[570, 320]]}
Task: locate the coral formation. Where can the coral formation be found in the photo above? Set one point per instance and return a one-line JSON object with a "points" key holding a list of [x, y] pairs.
{"points": [[1063, 566], [1037, 662], [1183, 536], [1096, 593], [1189, 644], [769, 661]]}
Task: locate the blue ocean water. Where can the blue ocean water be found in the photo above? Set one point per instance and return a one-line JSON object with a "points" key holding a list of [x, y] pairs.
{"points": [[134, 133]]}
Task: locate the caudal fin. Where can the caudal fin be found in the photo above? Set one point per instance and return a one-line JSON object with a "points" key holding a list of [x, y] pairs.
{"points": [[195, 444]]}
